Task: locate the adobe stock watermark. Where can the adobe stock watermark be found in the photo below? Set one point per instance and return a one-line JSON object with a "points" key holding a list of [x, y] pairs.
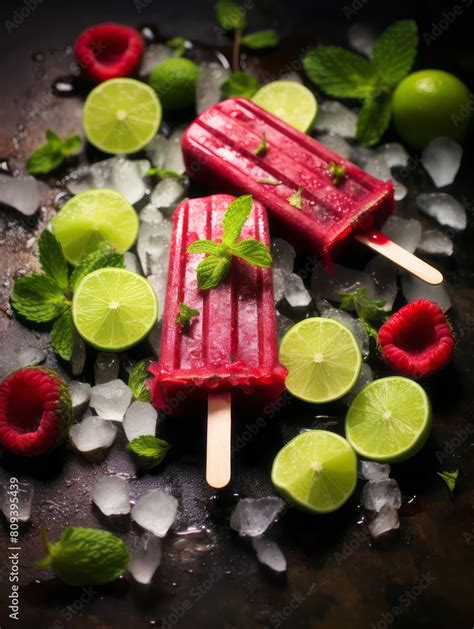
{"points": [[283, 614], [460, 436], [67, 613], [14, 548], [447, 18], [21, 14]]}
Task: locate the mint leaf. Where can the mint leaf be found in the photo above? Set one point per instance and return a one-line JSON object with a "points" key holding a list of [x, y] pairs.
{"points": [[53, 138], [235, 217], [86, 557], [395, 51], [38, 298], [338, 173], [163, 173], [253, 251], [230, 15], [240, 84], [62, 335], [296, 198], [261, 39], [151, 450], [368, 310], [44, 160], [52, 259], [71, 144], [212, 271], [450, 480], [185, 316], [373, 119], [271, 181], [137, 381], [104, 256], [205, 246], [178, 44], [262, 147], [339, 72]]}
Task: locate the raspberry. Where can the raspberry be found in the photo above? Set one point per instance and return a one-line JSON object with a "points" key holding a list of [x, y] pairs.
{"points": [[108, 51], [417, 340], [35, 411]]}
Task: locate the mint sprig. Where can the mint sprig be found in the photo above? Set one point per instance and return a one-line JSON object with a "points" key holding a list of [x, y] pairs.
{"points": [[338, 172], [369, 311], [267, 38], [214, 268], [47, 297], [51, 155], [85, 556], [164, 173], [344, 74], [240, 84], [186, 315], [230, 15], [296, 198], [137, 380], [178, 45], [151, 450], [450, 479], [262, 147]]}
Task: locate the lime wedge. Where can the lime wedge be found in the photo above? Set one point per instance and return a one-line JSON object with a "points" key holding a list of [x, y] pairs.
{"points": [[389, 420], [114, 309], [317, 471], [92, 217], [322, 358], [121, 115], [294, 103]]}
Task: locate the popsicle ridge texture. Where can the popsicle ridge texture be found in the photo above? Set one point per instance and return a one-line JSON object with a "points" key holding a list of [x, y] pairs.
{"points": [[232, 344], [219, 149]]}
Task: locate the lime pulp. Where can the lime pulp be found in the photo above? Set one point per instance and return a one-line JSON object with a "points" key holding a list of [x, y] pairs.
{"points": [[292, 102]]}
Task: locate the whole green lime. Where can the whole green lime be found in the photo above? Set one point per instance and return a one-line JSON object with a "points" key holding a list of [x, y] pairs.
{"points": [[431, 103], [174, 81]]}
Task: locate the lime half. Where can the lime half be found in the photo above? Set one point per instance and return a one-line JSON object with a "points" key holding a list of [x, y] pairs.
{"points": [[389, 420], [294, 103], [317, 471], [114, 309], [322, 358], [93, 217], [121, 115]]}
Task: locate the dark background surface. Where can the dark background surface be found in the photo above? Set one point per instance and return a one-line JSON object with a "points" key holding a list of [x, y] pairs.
{"points": [[336, 576]]}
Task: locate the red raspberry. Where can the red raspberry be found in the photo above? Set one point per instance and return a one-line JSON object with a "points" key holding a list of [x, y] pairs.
{"points": [[35, 411], [108, 51], [417, 340]]}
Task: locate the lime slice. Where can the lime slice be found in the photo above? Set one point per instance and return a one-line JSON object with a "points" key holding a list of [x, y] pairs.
{"points": [[290, 101], [114, 309], [92, 217], [389, 420], [121, 115], [317, 471], [322, 358]]}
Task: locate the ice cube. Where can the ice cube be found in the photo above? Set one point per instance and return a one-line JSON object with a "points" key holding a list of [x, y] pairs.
{"points": [[336, 143], [332, 285], [111, 400], [384, 274], [393, 154], [377, 167], [30, 357], [145, 558], [167, 193], [111, 495], [159, 281], [355, 326], [150, 214], [399, 190], [208, 86], [24, 193], [156, 150], [140, 419], [106, 367], [441, 158], [444, 208], [291, 76], [154, 55], [193, 541], [361, 38], [361, 155], [16, 502], [385, 521], [78, 358], [295, 291], [80, 396], [278, 284], [93, 434], [269, 554], [283, 324], [414, 288], [335, 118], [252, 516], [377, 493], [174, 153], [131, 262], [435, 242], [370, 470], [155, 511], [405, 232], [153, 246], [365, 377], [283, 255]]}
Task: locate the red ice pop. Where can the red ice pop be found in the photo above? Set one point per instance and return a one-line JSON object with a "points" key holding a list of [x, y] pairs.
{"points": [[293, 176], [231, 347]]}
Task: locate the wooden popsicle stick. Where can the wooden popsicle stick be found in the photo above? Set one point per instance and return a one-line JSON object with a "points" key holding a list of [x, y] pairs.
{"points": [[389, 249], [218, 439]]}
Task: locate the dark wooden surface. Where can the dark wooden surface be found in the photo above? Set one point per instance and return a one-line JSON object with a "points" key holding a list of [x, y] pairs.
{"points": [[336, 577]]}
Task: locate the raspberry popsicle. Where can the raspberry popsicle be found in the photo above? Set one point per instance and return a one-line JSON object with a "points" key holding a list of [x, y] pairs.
{"points": [[321, 198], [229, 348]]}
